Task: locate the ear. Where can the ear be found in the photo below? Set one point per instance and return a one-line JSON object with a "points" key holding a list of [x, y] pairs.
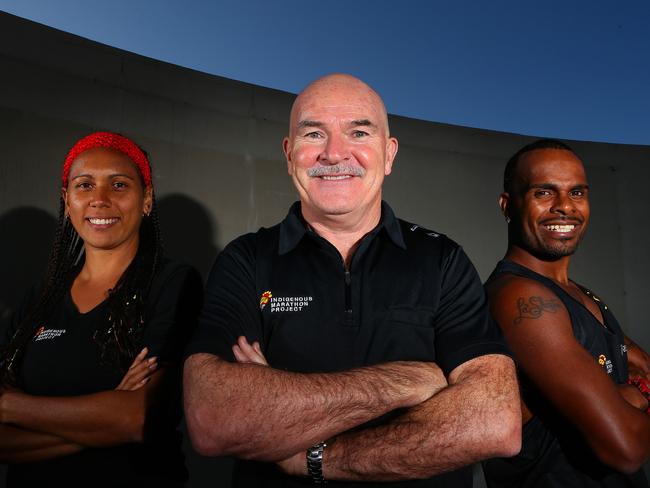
{"points": [[391, 151], [286, 148], [148, 200], [64, 196], [504, 205]]}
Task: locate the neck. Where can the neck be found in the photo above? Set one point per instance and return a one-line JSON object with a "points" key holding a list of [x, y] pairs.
{"points": [[557, 270], [344, 231], [107, 265]]}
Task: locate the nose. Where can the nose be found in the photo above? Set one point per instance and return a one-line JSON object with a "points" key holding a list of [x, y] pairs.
{"points": [[563, 204], [336, 149], [100, 197]]}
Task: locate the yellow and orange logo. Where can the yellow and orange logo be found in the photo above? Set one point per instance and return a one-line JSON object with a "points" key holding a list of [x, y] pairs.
{"points": [[266, 297], [602, 359]]}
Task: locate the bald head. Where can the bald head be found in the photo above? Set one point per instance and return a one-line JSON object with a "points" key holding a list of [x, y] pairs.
{"points": [[339, 150], [338, 90]]}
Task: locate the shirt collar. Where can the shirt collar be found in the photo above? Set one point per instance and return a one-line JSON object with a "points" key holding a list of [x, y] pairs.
{"points": [[293, 228]]}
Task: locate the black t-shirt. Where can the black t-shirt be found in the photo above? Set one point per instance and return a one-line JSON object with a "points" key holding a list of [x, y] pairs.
{"points": [[409, 294], [553, 454], [64, 359]]}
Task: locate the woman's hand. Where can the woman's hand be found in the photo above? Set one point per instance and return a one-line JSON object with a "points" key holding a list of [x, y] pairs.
{"points": [[139, 372]]}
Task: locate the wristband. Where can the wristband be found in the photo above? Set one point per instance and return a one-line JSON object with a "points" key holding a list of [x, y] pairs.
{"points": [[315, 463]]}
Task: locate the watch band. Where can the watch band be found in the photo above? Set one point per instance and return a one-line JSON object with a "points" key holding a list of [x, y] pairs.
{"points": [[315, 463]]}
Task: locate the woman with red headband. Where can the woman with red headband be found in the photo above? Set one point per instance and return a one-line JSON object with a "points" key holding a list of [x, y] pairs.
{"points": [[90, 369]]}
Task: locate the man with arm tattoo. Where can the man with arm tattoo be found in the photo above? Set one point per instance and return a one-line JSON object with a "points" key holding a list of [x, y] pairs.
{"points": [[584, 425], [345, 344]]}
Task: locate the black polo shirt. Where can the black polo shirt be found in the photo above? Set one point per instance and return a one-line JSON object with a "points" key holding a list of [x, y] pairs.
{"points": [[409, 294]]}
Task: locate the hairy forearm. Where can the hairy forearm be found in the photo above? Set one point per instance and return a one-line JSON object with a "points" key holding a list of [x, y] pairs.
{"points": [[476, 418], [19, 445], [95, 420], [258, 412]]}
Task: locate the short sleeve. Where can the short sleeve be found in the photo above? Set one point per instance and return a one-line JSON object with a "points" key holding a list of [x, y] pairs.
{"points": [[175, 301], [464, 327], [230, 309]]}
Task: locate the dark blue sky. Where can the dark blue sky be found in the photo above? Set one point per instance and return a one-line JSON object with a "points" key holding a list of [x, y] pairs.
{"points": [[570, 69]]}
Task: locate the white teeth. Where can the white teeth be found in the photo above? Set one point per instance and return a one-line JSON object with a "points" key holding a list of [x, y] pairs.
{"points": [[560, 228], [342, 177], [102, 221]]}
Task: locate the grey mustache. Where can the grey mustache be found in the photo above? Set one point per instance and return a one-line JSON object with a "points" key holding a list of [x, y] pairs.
{"points": [[336, 169]]}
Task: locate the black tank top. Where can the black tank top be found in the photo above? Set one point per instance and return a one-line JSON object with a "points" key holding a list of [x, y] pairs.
{"points": [[553, 453]]}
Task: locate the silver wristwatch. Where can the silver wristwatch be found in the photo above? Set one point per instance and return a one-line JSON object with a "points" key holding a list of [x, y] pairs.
{"points": [[315, 463]]}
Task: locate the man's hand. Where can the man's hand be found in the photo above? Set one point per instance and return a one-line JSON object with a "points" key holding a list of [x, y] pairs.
{"points": [[633, 396], [295, 465], [139, 372], [248, 353]]}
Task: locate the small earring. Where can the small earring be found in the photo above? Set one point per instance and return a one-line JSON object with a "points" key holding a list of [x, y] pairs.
{"points": [[507, 220]]}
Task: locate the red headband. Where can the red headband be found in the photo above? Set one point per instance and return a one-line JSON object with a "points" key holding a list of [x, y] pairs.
{"points": [[111, 141]]}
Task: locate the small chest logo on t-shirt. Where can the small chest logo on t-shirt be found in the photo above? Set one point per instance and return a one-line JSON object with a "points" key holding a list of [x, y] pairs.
{"points": [[43, 334], [284, 303], [606, 363]]}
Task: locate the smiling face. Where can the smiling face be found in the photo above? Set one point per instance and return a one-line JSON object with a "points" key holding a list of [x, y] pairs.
{"points": [[548, 204], [105, 199], [339, 150]]}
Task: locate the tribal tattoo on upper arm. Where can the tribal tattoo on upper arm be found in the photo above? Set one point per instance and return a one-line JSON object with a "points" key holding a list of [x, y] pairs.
{"points": [[534, 307]]}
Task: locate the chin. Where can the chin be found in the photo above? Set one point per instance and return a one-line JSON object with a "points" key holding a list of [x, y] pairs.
{"points": [[334, 208], [553, 253]]}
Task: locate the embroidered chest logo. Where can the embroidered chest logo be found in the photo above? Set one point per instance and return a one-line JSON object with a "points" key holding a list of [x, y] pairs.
{"points": [[43, 334], [606, 363], [284, 304], [265, 298]]}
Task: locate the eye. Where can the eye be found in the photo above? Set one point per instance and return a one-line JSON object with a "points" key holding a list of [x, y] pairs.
{"points": [[358, 134], [542, 193], [314, 135], [83, 185], [577, 193], [120, 185]]}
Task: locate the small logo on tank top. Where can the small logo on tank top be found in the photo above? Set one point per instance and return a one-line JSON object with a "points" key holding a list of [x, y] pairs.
{"points": [[606, 363], [43, 334]]}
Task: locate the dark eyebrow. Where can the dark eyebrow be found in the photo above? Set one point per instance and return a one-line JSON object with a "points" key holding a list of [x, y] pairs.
{"points": [[551, 186], [542, 186], [113, 175]]}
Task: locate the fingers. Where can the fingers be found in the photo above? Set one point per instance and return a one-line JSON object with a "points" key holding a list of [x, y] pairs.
{"points": [[139, 373], [247, 353], [140, 357]]}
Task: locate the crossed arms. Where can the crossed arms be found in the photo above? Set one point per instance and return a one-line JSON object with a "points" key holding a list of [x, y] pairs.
{"points": [[252, 411], [608, 416], [33, 428]]}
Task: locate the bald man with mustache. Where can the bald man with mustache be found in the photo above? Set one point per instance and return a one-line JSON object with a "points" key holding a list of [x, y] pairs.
{"points": [[345, 345]]}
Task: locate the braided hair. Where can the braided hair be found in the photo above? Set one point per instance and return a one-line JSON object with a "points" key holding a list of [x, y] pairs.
{"points": [[120, 342]]}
